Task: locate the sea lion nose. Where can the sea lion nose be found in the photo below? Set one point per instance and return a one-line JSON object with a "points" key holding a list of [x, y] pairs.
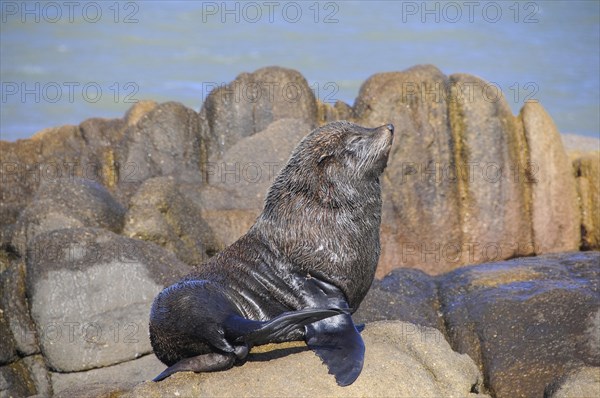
{"points": [[391, 128]]}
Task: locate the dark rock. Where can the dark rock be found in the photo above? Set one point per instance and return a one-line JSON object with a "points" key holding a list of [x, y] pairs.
{"points": [[48, 155], [166, 140], [555, 214], [16, 325], [8, 350], [420, 215], [160, 214], [401, 360], [405, 294], [67, 203], [525, 322], [90, 293], [252, 102], [24, 378]]}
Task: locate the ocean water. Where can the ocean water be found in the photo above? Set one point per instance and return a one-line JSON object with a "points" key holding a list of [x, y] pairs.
{"points": [[62, 62]]}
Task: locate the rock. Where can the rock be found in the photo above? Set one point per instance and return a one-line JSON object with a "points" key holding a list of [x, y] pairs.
{"points": [[587, 179], [238, 182], [405, 294], [249, 167], [420, 215], [494, 203], [121, 377], [159, 213], [583, 383], [166, 140], [555, 216], [339, 111], [67, 203], [252, 102], [25, 377], [16, 325], [48, 155], [137, 111], [525, 322], [401, 360], [90, 293], [85, 151]]}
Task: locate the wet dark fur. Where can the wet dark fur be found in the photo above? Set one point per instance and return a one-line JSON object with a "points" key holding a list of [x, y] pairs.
{"points": [[320, 223]]}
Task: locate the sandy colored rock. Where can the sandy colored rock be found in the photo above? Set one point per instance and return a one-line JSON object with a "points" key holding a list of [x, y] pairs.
{"points": [[135, 113], [401, 360], [587, 177], [420, 215], [555, 214], [494, 200]]}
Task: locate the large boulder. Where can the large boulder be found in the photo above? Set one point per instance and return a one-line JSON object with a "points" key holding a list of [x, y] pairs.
{"points": [[488, 144], [556, 218], [467, 182], [420, 207], [90, 293], [166, 140], [401, 360], [251, 102], [525, 322], [67, 203]]}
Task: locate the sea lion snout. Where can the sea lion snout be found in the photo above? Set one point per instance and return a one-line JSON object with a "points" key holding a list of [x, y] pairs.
{"points": [[390, 127]]}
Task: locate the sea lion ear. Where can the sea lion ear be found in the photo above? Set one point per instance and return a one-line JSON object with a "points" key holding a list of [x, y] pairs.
{"points": [[324, 157]]}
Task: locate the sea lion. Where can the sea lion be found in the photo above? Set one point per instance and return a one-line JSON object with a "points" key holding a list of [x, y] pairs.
{"points": [[299, 272]]}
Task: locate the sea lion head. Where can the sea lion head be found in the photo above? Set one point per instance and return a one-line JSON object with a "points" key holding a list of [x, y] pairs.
{"points": [[333, 163]]}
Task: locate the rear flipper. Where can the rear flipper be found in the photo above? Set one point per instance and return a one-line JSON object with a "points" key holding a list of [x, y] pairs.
{"points": [[200, 363], [339, 345], [256, 333], [240, 334]]}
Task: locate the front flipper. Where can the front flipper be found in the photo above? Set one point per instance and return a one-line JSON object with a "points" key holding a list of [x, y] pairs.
{"points": [[339, 345], [256, 332]]}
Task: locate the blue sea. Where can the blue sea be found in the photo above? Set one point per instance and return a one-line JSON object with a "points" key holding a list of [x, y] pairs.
{"points": [[64, 61]]}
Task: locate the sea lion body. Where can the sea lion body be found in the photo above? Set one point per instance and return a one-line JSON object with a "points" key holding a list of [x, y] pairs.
{"points": [[298, 273]]}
